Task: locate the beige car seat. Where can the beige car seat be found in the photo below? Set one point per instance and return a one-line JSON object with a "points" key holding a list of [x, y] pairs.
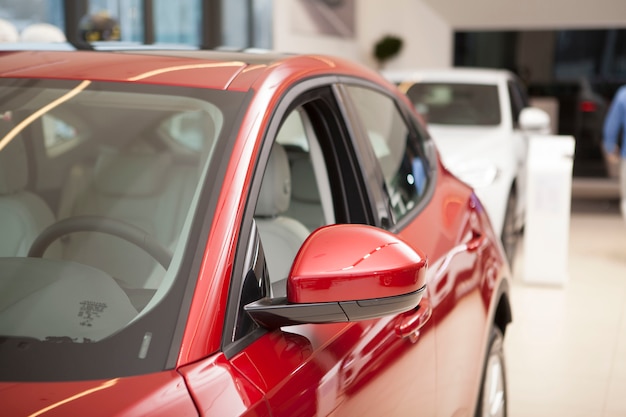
{"points": [[281, 236], [23, 214]]}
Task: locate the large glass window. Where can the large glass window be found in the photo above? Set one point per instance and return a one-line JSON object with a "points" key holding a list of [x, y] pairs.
{"points": [[177, 21], [241, 24], [129, 14], [598, 55], [235, 24], [172, 22], [247, 24], [578, 53], [617, 63], [20, 14]]}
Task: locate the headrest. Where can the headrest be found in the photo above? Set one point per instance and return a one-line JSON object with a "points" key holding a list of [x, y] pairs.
{"points": [[276, 188], [13, 167], [304, 183], [131, 174]]}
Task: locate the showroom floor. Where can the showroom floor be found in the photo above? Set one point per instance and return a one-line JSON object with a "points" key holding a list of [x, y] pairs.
{"points": [[566, 348]]}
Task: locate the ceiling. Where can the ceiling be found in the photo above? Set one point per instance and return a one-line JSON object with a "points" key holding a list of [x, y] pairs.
{"points": [[531, 14]]}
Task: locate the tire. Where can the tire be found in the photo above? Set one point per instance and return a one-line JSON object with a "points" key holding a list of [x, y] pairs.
{"points": [[493, 399], [510, 234]]}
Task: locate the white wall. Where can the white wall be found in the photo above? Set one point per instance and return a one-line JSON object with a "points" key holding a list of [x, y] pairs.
{"points": [[531, 14], [427, 38], [290, 35]]}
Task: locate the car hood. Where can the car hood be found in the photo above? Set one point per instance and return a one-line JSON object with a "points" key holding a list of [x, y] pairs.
{"points": [[462, 144], [163, 394]]}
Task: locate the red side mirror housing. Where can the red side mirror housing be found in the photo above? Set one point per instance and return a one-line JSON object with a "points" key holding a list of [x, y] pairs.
{"points": [[344, 273]]}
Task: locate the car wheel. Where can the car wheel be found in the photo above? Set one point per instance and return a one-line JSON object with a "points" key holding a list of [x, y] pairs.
{"points": [[510, 235], [493, 398]]}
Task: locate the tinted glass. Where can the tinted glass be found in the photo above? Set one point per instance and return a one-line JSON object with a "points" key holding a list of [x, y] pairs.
{"points": [[456, 104], [397, 150]]}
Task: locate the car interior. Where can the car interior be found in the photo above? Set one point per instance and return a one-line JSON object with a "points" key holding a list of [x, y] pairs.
{"points": [[94, 205], [24, 213], [290, 205]]}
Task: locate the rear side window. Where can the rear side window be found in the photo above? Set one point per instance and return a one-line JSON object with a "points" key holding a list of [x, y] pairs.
{"points": [[397, 148]]}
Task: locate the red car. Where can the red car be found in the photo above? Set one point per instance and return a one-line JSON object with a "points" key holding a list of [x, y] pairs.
{"points": [[201, 233]]}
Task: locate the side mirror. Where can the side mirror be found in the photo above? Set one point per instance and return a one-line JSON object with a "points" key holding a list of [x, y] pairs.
{"points": [[534, 120], [343, 273]]}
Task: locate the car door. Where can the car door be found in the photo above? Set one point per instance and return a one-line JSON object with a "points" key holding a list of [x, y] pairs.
{"points": [[438, 214], [368, 368]]}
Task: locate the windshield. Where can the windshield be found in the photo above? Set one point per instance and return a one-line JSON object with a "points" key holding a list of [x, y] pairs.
{"points": [[99, 185], [456, 104]]}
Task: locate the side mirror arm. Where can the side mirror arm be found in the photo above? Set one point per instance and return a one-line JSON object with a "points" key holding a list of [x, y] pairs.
{"points": [[278, 312]]}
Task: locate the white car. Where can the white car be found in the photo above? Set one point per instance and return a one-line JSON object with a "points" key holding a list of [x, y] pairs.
{"points": [[480, 120]]}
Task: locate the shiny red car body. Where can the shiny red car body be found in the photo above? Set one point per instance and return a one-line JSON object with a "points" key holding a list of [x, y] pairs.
{"points": [[347, 338]]}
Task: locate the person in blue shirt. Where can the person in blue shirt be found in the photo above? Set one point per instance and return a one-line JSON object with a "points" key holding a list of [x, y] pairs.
{"points": [[615, 140]]}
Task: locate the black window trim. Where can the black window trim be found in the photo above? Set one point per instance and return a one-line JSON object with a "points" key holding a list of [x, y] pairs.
{"points": [[516, 100]]}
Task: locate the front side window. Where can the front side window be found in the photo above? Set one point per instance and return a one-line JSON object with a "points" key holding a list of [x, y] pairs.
{"points": [[100, 192], [290, 204], [397, 149], [456, 103]]}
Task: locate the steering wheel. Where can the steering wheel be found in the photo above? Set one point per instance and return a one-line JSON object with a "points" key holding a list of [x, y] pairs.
{"points": [[126, 231]]}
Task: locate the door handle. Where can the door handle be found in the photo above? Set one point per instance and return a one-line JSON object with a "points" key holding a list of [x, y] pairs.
{"points": [[412, 321]]}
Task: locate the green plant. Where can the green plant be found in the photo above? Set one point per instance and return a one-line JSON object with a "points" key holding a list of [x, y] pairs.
{"points": [[386, 48]]}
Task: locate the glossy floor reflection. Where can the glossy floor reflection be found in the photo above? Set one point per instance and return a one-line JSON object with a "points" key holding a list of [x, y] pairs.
{"points": [[566, 349]]}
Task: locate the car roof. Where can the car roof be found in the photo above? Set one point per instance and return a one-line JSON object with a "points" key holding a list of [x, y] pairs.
{"points": [[176, 66], [456, 74]]}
